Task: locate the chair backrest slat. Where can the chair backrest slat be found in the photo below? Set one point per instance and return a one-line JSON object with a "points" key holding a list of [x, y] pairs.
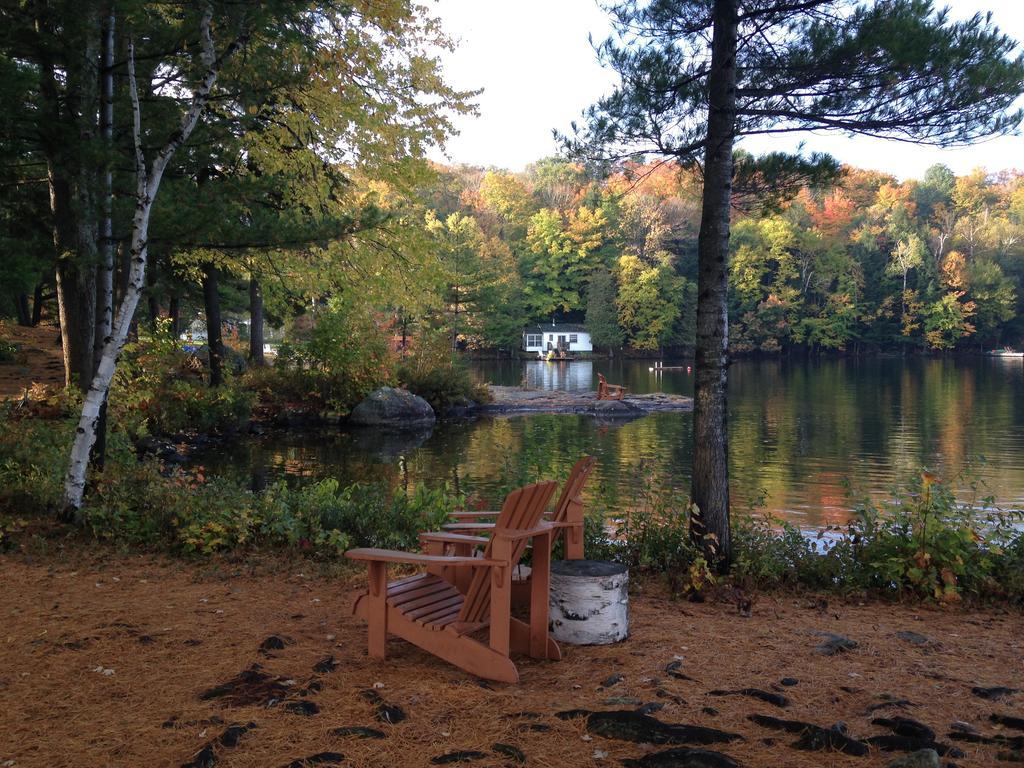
{"points": [[521, 511], [573, 486]]}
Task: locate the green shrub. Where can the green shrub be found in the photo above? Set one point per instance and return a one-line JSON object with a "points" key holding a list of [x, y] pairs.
{"points": [[332, 364], [159, 389], [9, 351], [928, 544], [144, 504], [924, 545], [439, 376]]}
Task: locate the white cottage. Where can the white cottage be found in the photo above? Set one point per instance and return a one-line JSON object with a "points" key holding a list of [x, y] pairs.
{"points": [[541, 338]]}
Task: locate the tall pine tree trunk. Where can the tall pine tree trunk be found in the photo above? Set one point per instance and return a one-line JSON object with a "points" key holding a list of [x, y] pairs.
{"points": [[76, 304], [70, 99], [152, 298], [214, 338], [23, 310], [38, 297], [255, 322], [105, 269], [710, 493], [174, 314]]}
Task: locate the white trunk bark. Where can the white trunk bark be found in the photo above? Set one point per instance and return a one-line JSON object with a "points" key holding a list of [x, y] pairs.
{"points": [[589, 602], [105, 274], [148, 183]]}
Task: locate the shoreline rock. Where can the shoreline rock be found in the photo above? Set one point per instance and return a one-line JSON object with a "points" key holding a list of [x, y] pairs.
{"points": [[393, 408], [514, 400]]}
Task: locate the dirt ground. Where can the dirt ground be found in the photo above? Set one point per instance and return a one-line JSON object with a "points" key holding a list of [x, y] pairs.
{"points": [[103, 659], [40, 361]]}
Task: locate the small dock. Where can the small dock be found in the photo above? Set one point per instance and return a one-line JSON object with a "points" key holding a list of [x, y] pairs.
{"points": [[515, 400]]}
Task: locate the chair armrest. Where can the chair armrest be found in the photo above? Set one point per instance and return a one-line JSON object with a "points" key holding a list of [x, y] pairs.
{"points": [[517, 535], [468, 526], [416, 558], [452, 538], [461, 514]]}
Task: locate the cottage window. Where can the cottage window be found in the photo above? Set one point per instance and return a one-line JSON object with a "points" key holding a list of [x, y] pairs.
{"points": [[533, 339], [573, 338]]}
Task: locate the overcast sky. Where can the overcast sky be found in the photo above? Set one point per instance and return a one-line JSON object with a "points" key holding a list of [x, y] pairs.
{"points": [[538, 72]]}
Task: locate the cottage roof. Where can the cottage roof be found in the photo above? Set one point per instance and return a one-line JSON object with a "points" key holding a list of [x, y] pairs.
{"points": [[556, 328]]}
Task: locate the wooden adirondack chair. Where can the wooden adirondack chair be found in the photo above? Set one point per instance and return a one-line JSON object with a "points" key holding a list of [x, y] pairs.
{"points": [[567, 516], [606, 391], [430, 611]]}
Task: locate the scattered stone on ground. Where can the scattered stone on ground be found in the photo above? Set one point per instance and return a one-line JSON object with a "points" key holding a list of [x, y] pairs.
{"points": [[915, 638], [923, 758], [274, 643], [391, 714], [1013, 742], [1008, 720], [533, 728], [672, 670], [894, 743], [682, 757], [813, 737], [788, 681], [207, 756], [252, 686], [301, 707], [775, 699], [888, 701], [324, 666], [905, 726], [462, 756], [320, 758], [661, 693], [608, 682], [834, 644], [651, 707], [634, 726], [994, 693]]}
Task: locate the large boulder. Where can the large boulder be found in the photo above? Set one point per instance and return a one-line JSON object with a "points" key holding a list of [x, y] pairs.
{"points": [[393, 408]]}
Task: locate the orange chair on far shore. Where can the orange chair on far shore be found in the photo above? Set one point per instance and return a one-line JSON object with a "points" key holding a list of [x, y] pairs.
{"points": [[606, 391]]}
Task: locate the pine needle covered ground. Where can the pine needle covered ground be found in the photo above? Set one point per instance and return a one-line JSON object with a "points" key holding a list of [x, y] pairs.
{"points": [[121, 660]]}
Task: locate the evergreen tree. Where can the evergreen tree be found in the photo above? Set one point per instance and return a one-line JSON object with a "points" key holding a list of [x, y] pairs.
{"points": [[696, 75], [602, 318]]}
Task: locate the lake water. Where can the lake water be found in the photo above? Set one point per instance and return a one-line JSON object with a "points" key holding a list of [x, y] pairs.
{"points": [[800, 432]]}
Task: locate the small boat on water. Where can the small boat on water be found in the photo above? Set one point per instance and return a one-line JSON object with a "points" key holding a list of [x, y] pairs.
{"points": [[1005, 352], [660, 367]]}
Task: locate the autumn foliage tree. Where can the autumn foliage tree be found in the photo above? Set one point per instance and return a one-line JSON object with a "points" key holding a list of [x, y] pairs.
{"points": [[698, 75]]}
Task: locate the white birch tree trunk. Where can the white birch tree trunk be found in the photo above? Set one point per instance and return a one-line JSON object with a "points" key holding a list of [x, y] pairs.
{"points": [[147, 185]]}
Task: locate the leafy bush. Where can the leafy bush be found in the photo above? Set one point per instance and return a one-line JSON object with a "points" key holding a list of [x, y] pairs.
{"points": [[332, 364], [440, 377], [143, 504], [927, 544], [923, 544], [158, 389], [8, 351]]}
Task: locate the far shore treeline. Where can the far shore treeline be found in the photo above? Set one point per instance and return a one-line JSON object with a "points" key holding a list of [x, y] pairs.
{"points": [[868, 264]]}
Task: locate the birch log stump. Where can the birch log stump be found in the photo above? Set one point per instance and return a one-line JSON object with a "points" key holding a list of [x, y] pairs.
{"points": [[589, 602]]}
